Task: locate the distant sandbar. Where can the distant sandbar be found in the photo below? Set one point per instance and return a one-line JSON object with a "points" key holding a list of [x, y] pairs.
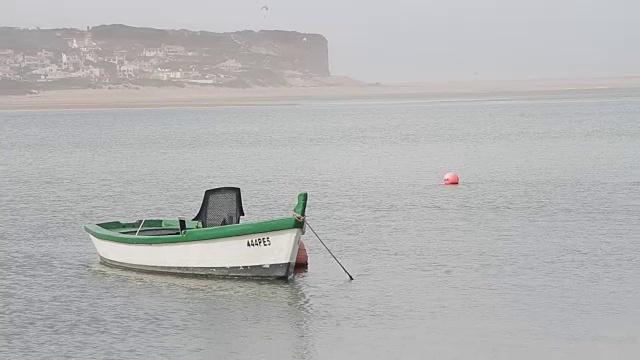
{"points": [[216, 97]]}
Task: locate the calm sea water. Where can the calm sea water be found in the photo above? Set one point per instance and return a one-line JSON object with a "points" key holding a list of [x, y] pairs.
{"points": [[536, 254]]}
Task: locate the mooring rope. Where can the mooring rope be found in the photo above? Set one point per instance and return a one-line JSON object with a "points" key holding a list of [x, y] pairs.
{"points": [[325, 246]]}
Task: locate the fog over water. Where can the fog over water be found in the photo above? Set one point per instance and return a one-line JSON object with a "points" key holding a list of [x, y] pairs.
{"points": [[399, 41]]}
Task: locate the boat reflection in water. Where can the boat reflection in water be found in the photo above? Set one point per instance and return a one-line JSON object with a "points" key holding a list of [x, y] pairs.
{"points": [[225, 318]]}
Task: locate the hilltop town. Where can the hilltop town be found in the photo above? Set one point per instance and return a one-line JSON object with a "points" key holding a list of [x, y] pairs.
{"points": [[117, 55]]}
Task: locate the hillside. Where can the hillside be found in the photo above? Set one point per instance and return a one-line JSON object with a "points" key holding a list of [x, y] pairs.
{"points": [[116, 55]]}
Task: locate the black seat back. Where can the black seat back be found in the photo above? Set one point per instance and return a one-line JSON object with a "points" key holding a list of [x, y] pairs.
{"points": [[220, 206]]}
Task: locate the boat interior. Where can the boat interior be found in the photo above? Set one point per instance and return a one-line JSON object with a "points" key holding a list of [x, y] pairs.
{"points": [[220, 206], [152, 232]]}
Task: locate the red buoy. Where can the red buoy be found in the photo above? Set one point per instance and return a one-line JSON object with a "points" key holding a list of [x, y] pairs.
{"points": [[451, 178], [302, 259]]}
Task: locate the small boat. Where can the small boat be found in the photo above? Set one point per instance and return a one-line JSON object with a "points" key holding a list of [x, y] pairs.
{"points": [[214, 242]]}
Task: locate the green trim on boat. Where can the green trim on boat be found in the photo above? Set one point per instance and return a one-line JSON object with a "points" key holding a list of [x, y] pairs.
{"points": [[115, 230], [301, 207], [191, 234]]}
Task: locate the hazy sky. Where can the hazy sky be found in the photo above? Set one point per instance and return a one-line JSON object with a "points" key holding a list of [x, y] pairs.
{"points": [[400, 40]]}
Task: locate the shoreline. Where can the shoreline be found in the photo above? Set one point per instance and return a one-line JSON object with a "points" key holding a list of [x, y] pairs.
{"points": [[203, 97]]}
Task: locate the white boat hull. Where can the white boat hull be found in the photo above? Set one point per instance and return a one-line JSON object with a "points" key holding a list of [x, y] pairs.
{"points": [[270, 255]]}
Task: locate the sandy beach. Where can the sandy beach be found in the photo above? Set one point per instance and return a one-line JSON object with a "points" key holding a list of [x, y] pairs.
{"points": [[214, 97]]}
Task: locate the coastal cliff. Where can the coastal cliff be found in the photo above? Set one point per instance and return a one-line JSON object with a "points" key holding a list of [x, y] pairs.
{"points": [[120, 55]]}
